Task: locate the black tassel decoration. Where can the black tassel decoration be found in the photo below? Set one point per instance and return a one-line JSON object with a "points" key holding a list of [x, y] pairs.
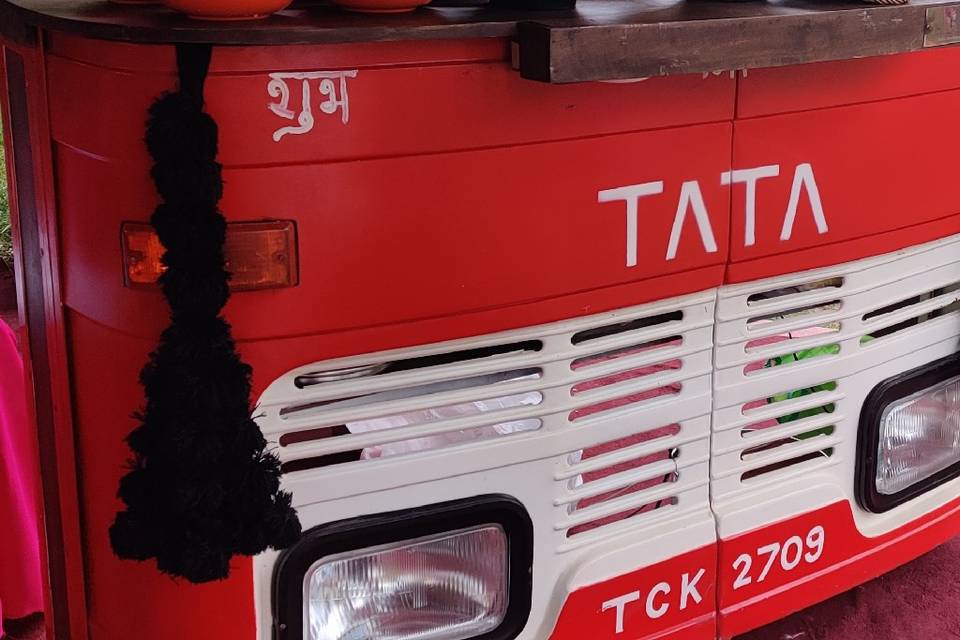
{"points": [[202, 487]]}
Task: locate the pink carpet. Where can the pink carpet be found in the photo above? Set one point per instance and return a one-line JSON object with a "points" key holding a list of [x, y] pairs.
{"points": [[918, 601], [20, 581]]}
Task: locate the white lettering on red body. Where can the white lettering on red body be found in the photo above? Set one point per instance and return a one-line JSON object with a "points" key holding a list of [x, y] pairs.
{"points": [[621, 604], [690, 196], [654, 612], [803, 178], [688, 589], [335, 92], [691, 199], [750, 177], [631, 194], [658, 601]]}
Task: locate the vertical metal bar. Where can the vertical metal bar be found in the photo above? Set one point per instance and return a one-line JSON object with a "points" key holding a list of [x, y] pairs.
{"points": [[33, 211]]}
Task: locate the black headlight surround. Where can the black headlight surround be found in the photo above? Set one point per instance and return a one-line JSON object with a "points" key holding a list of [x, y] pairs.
{"points": [[397, 526], [868, 440]]}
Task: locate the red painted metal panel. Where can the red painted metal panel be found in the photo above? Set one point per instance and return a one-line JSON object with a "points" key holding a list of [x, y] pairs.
{"points": [[406, 239], [672, 599], [390, 111], [780, 264], [873, 169], [275, 357], [128, 599], [847, 559], [830, 84], [490, 224]]}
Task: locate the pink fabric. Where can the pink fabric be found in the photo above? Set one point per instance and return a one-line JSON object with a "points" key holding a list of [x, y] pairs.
{"points": [[20, 583]]}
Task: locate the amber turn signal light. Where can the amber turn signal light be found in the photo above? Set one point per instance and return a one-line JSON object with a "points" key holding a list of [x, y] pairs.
{"points": [[260, 255]]}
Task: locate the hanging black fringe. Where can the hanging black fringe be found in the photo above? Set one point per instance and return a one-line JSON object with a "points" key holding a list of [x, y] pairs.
{"points": [[202, 486]]}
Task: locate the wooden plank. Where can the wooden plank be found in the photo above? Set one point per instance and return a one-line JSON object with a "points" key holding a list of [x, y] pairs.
{"points": [[684, 39], [943, 26], [599, 40]]}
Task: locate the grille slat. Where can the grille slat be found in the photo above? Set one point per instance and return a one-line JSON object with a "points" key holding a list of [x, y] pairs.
{"points": [[772, 480], [701, 344], [793, 321], [796, 365], [627, 387], [625, 454], [760, 456], [633, 501], [944, 303], [621, 480], [327, 446], [783, 454], [328, 391], [333, 416], [772, 410], [638, 336], [740, 309], [784, 430]]}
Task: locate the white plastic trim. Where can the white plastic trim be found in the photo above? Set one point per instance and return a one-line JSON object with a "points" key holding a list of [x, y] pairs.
{"points": [[540, 468], [868, 285]]}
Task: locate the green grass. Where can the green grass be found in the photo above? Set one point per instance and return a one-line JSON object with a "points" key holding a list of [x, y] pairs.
{"points": [[6, 247]]}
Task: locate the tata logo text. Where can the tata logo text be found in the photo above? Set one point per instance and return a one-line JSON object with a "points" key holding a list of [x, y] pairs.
{"points": [[658, 601], [691, 202]]}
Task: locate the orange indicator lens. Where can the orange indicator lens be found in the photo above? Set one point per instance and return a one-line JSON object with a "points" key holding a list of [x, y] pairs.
{"points": [[260, 255]]}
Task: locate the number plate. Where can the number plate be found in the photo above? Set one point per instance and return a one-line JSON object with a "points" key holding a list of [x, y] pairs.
{"points": [[778, 557]]}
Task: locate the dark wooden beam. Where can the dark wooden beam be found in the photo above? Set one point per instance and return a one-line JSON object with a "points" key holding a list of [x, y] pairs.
{"points": [[656, 38], [598, 40], [943, 26]]}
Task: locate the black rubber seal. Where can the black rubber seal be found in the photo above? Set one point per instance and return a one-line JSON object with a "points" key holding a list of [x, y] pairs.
{"points": [[885, 393], [396, 526]]}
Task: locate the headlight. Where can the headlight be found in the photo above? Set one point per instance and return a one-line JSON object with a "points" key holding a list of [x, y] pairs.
{"points": [[910, 435], [919, 436], [446, 587], [452, 571]]}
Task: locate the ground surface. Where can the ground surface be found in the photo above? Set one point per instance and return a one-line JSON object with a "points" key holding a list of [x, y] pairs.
{"points": [[918, 601]]}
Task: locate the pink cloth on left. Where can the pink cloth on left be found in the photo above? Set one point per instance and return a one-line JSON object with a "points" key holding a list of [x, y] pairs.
{"points": [[21, 591]]}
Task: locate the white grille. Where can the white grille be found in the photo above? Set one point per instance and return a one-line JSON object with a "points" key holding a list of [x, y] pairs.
{"points": [[620, 400], [644, 400], [599, 425], [796, 356]]}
